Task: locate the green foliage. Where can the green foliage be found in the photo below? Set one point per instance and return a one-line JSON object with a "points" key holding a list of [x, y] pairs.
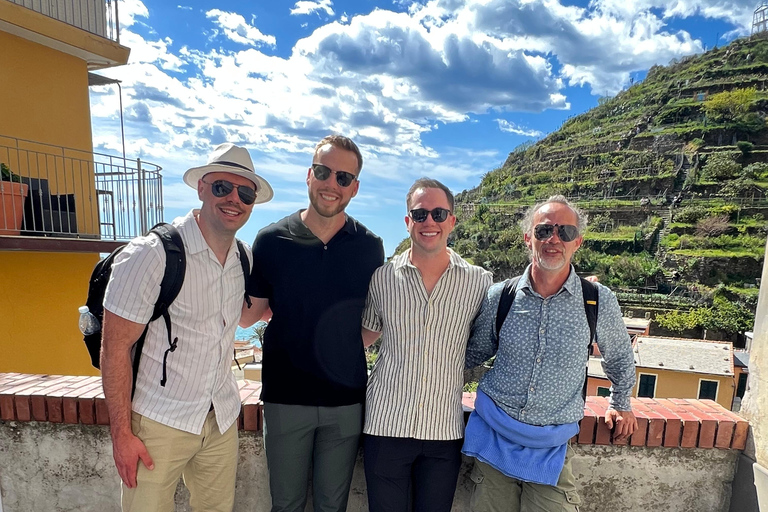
{"points": [[723, 315], [618, 270], [7, 175], [737, 187], [257, 336], [727, 105], [745, 147], [720, 166], [470, 387], [751, 122], [756, 171], [691, 214]]}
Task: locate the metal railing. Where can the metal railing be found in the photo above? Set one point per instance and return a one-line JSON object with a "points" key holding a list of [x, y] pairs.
{"points": [[72, 193], [95, 16]]}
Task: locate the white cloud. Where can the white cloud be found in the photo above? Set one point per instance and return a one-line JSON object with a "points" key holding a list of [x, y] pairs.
{"points": [[238, 30], [508, 127], [310, 6], [130, 10], [385, 78]]}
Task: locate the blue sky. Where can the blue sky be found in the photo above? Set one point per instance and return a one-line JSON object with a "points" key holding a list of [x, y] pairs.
{"points": [[443, 88]]}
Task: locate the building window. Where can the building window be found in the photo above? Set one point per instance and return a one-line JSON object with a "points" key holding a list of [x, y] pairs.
{"points": [[742, 386], [601, 391], [647, 386], [707, 389]]}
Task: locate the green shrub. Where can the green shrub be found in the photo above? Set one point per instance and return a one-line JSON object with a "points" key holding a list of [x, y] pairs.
{"points": [[745, 147], [720, 166], [691, 214]]}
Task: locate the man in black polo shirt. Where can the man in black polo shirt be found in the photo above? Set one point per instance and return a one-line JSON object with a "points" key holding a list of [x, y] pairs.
{"points": [[312, 269]]}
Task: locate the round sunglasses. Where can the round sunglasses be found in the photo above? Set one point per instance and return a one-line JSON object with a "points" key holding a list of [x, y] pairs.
{"points": [[438, 214], [323, 172], [222, 188], [566, 232]]}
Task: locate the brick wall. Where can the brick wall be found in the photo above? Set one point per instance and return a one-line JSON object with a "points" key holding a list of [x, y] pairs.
{"points": [[668, 423]]}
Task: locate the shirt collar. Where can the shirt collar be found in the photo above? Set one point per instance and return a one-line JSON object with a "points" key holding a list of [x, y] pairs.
{"points": [[194, 242], [570, 284], [404, 260], [298, 229]]}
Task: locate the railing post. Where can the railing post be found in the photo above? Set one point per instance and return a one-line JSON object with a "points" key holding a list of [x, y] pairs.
{"points": [[142, 199]]}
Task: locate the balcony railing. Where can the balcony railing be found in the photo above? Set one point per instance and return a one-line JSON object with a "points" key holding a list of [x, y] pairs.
{"points": [[95, 16], [79, 194]]}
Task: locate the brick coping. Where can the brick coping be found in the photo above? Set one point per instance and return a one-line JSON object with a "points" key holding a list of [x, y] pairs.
{"points": [[668, 423]]}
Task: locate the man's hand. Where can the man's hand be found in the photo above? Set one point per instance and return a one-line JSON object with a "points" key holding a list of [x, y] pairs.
{"points": [[624, 421], [127, 451]]}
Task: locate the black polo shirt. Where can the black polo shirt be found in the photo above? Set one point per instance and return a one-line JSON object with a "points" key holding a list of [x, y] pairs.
{"points": [[313, 347]]}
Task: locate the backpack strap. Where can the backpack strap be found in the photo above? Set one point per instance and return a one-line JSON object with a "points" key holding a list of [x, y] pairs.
{"points": [[173, 278], [590, 295], [505, 302], [245, 263]]}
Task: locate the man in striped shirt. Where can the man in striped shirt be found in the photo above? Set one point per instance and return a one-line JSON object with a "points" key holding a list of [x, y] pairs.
{"points": [[186, 424], [422, 303]]}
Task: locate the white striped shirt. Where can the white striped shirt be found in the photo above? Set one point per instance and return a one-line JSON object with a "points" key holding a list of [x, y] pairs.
{"points": [[204, 317], [415, 387]]}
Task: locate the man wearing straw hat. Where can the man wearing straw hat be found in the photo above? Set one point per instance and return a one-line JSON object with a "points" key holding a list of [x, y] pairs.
{"points": [[185, 426]]}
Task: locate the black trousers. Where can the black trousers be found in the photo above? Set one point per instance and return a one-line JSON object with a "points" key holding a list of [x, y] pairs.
{"points": [[406, 474]]}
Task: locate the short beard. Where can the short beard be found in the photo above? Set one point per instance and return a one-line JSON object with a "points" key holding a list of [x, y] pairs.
{"points": [[546, 264]]}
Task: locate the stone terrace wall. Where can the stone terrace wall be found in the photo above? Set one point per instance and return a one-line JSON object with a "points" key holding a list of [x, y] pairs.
{"points": [[56, 455]]}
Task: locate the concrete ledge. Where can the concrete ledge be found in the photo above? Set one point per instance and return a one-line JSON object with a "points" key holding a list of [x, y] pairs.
{"points": [[668, 423]]}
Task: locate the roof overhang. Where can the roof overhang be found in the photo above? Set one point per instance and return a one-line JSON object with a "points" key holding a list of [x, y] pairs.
{"points": [[98, 52]]}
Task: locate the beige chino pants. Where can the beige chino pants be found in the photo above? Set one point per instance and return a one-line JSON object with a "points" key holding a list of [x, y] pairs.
{"points": [[208, 463]]}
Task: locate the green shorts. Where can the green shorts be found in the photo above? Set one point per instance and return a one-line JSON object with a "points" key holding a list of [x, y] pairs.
{"points": [[497, 492]]}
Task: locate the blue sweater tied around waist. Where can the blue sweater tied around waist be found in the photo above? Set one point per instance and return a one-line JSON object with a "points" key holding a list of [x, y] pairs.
{"points": [[527, 452]]}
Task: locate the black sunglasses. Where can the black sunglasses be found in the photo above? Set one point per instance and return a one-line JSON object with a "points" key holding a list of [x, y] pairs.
{"points": [[343, 178], [566, 232], [438, 214], [222, 188]]}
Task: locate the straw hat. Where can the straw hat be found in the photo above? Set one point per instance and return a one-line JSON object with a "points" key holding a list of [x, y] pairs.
{"points": [[233, 160]]}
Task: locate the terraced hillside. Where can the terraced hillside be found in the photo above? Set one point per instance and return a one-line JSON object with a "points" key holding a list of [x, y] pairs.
{"points": [[673, 172]]}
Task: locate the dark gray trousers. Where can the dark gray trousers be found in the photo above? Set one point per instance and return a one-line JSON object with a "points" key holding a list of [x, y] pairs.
{"points": [[300, 437]]}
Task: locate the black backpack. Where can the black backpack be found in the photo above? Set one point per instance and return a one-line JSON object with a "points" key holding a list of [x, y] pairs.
{"points": [[173, 278], [590, 295]]}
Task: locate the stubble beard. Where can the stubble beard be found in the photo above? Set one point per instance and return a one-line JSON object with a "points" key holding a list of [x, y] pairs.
{"points": [[325, 211]]}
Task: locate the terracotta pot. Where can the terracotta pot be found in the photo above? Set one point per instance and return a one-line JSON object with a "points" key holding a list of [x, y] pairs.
{"points": [[12, 197]]}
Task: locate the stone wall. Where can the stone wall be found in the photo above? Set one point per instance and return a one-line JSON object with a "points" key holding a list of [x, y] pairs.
{"points": [[682, 458]]}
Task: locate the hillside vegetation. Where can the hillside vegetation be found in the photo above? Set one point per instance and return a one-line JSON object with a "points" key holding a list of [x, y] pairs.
{"points": [[673, 172]]}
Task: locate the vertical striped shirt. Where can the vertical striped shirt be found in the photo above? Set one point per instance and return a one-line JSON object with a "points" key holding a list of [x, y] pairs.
{"points": [[204, 317], [415, 387]]}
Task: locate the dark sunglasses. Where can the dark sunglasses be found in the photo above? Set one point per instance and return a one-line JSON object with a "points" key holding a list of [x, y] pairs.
{"points": [[323, 172], [566, 232], [222, 188], [438, 214]]}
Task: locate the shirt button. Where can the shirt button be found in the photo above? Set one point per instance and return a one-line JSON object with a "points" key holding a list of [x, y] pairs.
{"points": [[522, 413], [424, 379], [542, 331], [325, 247], [538, 360], [531, 388], [421, 405]]}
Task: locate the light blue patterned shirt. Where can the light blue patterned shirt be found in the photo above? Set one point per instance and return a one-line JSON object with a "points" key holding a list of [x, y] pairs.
{"points": [[539, 370]]}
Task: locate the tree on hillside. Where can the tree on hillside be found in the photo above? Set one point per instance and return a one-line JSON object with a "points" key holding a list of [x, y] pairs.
{"points": [[727, 106]]}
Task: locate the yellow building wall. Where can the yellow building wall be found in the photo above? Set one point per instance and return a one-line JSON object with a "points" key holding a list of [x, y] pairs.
{"points": [[45, 99], [38, 312], [671, 384]]}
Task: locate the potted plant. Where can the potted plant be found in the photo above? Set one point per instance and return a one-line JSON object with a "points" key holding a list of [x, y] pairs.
{"points": [[12, 195]]}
